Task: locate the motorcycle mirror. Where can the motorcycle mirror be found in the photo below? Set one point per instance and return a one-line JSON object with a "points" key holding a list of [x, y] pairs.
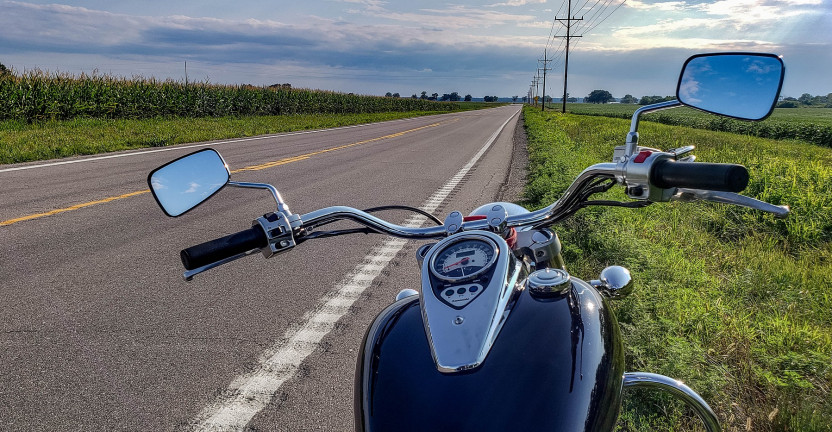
{"points": [[184, 183], [740, 85]]}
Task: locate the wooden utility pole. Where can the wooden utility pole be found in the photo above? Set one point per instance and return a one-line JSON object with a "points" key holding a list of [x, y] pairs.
{"points": [[568, 36], [545, 63]]}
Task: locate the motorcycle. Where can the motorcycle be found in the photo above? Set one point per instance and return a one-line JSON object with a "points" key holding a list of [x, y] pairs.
{"points": [[501, 336]]}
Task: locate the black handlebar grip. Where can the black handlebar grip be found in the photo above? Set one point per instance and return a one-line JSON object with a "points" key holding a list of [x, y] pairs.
{"points": [[697, 175], [224, 247]]}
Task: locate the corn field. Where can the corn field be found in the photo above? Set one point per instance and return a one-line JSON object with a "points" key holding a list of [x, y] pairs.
{"points": [[38, 96]]}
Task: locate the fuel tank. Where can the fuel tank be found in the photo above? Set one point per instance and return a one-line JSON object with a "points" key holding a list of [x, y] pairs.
{"points": [[557, 365]]}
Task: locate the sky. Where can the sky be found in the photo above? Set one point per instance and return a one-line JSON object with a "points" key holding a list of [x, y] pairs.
{"points": [[477, 47]]}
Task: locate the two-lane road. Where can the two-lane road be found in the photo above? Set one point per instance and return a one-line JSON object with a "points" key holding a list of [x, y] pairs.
{"points": [[98, 331]]}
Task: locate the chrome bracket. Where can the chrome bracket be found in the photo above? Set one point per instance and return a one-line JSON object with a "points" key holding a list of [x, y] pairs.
{"points": [[453, 223], [496, 218]]}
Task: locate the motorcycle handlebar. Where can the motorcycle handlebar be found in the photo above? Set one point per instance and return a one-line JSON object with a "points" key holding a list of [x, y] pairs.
{"points": [[709, 176], [225, 247]]}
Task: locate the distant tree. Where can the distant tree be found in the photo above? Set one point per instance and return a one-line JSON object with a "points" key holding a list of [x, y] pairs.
{"points": [[388, 94], [571, 99], [490, 98], [629, 99], [455, 97], [548, 99], [788, 104], [396, 95], [414, 96], [514, 98], [599, 96], [647, 100], [424, 95], [467, 98], [286, 86], [4, 70], [434, 96], [445, 97], [525, 98], [805, 99]]}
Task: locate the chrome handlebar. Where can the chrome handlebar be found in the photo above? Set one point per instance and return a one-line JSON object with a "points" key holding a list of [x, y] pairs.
{"points": [[536, 219]]}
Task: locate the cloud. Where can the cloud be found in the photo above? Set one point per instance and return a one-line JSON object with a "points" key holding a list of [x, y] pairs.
{"points": [[661, 6], [518, 3], [56, 28]]}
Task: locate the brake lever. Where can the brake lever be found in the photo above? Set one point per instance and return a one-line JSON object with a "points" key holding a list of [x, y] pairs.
{"points": [[684, 194], [189, 275]]}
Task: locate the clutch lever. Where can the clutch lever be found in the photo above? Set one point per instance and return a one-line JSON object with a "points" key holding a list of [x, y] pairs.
{"points": [[684, 194]]}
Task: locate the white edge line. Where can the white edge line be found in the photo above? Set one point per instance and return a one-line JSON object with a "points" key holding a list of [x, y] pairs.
{"points": [[249, 393], [212, 143]]}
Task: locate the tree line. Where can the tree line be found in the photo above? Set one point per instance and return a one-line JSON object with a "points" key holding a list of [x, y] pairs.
{"points": [[446, 97], [603, 96], [806, 100]]}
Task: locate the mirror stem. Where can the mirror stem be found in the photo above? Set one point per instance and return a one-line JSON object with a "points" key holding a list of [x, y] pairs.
{"points": [[632, 137], [281, 205]]}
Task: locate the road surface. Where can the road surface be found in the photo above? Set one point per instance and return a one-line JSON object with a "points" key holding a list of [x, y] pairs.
{"points": [[98, 330]]}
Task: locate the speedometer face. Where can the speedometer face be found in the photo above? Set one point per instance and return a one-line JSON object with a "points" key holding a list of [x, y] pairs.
{"points": [[463, 260]]}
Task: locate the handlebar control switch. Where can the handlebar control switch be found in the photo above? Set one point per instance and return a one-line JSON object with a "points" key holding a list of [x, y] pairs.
{"points": [[279, 232], [637, 174]]}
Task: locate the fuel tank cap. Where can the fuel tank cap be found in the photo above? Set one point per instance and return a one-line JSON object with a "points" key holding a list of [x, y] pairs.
{"points": [[549, 282]]}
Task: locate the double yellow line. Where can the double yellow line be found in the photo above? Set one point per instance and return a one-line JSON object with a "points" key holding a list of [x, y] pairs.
{"points": [[249, 168]]}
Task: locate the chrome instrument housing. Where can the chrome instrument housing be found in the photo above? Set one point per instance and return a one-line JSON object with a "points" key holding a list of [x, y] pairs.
{"points": [[461, 336]]}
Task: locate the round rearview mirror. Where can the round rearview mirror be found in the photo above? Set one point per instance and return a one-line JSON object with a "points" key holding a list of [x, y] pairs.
{"points": [[740, 85], [184, 183]]}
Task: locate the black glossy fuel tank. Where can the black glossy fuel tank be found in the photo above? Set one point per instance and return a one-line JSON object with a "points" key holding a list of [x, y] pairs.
{"points": [[557, 365]]}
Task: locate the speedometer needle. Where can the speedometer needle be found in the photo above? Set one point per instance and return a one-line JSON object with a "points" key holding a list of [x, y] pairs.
{"points": [[462, 261]]}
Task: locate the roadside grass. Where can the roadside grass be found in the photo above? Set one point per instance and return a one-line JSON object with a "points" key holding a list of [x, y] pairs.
{"points": [[807, 124], [22, 142], [734, 302]]}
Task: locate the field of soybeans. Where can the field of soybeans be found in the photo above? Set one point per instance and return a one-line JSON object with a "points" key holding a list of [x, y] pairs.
{"points": [[806, 124]]}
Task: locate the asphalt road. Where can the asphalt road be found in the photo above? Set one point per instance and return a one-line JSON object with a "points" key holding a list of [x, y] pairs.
{"points": [[98, 331]]}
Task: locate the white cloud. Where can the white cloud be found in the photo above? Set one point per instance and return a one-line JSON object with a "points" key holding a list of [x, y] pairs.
{"points": [[660, 6], [518, 3]]}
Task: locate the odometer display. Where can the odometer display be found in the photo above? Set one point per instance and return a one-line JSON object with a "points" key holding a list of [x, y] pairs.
{"points": [[463, 260]]}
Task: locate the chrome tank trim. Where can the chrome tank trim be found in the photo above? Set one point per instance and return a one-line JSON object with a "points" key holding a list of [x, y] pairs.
{"points": [[460, 339], [677, 389]]}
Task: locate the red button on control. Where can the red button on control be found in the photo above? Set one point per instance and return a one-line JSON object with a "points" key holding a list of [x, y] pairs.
{"points": [[642, 156]]}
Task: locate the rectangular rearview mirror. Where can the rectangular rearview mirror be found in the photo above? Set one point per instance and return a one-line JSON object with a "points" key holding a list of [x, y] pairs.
{"points": [[184, 183], [740, 85]]}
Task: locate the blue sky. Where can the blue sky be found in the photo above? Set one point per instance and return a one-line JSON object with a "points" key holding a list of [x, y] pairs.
{"points": [[481, 47]]}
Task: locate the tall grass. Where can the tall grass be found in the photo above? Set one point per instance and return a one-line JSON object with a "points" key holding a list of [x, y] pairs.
{"points": [[734, 302], [38, 95]]}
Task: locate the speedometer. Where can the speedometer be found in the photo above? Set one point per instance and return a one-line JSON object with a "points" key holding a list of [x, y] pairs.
{"points": [[464, 259]]}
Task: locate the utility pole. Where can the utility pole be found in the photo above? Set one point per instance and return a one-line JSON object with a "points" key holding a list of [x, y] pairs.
{"points": [[545, 63], [568, 20], [535, 81]]}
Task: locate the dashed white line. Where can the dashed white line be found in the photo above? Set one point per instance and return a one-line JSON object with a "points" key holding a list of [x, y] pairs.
{"points": [[248, 394]]}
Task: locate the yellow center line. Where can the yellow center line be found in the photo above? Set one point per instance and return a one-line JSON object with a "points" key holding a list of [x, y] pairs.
{"points": [[75, 207], [249, 168]]}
